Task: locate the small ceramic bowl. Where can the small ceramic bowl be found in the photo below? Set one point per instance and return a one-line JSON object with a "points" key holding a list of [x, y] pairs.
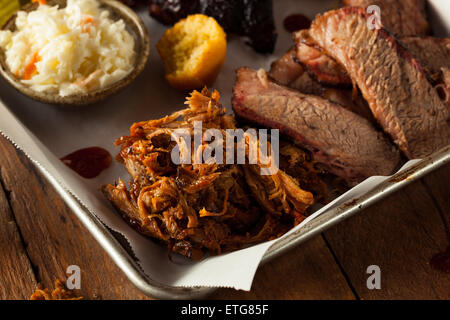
{"points": [[118, 11]]}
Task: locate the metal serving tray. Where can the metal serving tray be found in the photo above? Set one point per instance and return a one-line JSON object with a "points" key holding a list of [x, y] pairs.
{"points": [[125, 260], [152, 288]]}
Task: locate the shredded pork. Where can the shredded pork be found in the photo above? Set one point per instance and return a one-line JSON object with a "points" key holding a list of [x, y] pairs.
{"points": [[208, 208]]}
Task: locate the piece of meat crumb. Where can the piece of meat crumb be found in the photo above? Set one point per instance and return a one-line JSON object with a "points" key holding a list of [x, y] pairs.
{"points": [[59, 293]]}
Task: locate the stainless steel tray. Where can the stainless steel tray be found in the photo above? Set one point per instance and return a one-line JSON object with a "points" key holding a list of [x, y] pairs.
{"points": [[130, 267], [328, 219]]}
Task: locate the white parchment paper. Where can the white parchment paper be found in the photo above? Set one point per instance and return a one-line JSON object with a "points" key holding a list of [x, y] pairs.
{"points": [[48, 132]]}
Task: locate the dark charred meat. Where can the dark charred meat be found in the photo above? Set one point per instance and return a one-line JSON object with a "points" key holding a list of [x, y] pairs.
{"points": [[393, 83], [296, 21], [169, 12], [345, 143], [208, 207], [401, 17], [258, 25], [252, 19]]}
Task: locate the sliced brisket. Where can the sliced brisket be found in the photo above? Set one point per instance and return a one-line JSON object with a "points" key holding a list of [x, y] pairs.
{"points": [[351, 100], [401, 17], [288, 72], [432, 53], [344, 142], [391, 81], [320, 65], [434, 56], [444, 87]]}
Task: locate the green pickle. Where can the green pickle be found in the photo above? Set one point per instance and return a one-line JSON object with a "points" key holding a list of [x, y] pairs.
{"points": [[8, 8]]}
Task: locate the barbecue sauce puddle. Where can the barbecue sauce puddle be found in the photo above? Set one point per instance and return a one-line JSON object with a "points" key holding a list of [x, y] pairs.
{"points": [[88, 162], [296, 22], [441, 261]]}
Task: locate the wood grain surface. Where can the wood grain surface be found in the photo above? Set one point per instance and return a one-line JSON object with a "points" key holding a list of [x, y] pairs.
{"points": [[40, 237]]}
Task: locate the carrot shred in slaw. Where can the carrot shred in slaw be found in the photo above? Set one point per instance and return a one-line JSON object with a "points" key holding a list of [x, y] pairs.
{"points": [[86, 24], [42, 2], [30, 69]]}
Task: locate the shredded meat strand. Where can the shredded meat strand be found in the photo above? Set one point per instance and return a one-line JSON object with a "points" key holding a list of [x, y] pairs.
{"points": [[208, 207], [59, 293]]}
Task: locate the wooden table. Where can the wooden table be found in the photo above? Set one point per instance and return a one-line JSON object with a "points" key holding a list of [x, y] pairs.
{"points": [[40, 237]]}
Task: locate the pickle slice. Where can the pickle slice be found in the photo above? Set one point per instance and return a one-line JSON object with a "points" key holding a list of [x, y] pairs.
{"points": [[7, 9]]}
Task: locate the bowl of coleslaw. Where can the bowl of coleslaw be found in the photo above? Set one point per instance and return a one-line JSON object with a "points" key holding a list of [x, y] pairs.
{"points": [[73, 52]]}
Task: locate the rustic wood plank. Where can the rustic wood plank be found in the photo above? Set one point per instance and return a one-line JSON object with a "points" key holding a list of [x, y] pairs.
{"points": [[54, 237], [306, 272], [16, 272], [437, 185], [400, 235]]}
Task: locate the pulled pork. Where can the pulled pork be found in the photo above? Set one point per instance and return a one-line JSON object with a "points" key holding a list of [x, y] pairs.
{"points": [[59, 293], [208, 207]]}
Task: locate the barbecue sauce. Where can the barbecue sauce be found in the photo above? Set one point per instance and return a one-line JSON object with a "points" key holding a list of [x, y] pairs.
{"points": [[296, 22], [88, 162], [441, 261]]}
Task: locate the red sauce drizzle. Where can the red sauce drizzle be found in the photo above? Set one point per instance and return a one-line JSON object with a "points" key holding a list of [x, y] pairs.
{"points": [[88, 162], [441, 261], [296, 22]]}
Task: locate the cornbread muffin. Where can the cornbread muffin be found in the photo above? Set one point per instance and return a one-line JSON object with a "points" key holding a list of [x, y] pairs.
{"points": [[193, 52]]}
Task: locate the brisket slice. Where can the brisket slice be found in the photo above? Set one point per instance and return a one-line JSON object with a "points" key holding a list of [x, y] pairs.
{"points": [[351, 100], [444, 88], [345, 143], [288, 72], [432, 53], [401, 17], [318, 64], [392, 82], [434, 56]]}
